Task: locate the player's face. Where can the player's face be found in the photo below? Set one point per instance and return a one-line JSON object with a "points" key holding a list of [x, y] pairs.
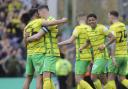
{"points": [[92, 22], [81, 19], [110, 18], [43, 13]]}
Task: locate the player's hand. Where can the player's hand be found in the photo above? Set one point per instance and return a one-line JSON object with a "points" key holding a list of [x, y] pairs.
{"points": [[80, 50], [27, 34], [64, 19], [101, 47], [59, 44]]}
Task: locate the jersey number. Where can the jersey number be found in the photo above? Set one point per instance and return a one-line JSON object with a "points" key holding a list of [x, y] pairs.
{"points": [[122, 36]]}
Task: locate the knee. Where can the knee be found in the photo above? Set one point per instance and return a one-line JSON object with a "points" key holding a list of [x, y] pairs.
{"points": [[111, 76], [29, 77], [46, 75]]}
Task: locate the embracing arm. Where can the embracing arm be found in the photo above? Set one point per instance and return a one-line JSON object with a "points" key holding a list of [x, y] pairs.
{"points": [[38, 36], [55, 22], [68, 41]]}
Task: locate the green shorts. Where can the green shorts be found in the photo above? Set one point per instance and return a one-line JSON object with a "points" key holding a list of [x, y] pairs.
{"points": [[49, 64], [122, 66], [81, 67], [34, 64], [99, 66]]}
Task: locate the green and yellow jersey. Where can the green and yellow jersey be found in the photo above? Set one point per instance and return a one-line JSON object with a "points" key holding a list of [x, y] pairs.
{"points": [[51, 41], [119, 30], [97, 38], [80, 32], [35, 47]]}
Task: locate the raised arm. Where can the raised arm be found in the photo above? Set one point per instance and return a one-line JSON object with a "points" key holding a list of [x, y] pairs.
{"points": [[55, 22], [68, 41]]}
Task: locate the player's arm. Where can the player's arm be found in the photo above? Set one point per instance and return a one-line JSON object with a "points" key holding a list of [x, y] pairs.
{"points": [[55, 22], [113, 54], [37, 36], [112, 39], [26, 34], [85, 45], [44, 30], [68, 41]]}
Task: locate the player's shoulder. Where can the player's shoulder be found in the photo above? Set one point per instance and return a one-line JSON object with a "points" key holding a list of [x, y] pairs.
{"points": [[35, 21], [50, 18], [118, 24], [101, 26], [82, 26], [121, 24], [32, 22], [39, 20]]}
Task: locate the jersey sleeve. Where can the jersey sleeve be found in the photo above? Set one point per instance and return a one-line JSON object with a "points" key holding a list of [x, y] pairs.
{"points": [[52, 27], [75, 32], [105, 30]]}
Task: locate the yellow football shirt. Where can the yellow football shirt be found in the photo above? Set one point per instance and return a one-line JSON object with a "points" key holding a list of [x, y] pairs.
{"points": [[80, 32], [97, 38], [35, 47], [119, 30], [51, 40]]}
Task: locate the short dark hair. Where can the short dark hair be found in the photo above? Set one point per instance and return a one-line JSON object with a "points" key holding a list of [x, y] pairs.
{"points": [[32, 12], [92, 15], [43, 7], [114, 13]]}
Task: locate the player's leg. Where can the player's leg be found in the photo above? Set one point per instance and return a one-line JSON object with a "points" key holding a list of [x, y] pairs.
{"points": [[112, 71], [27, 82], [79, 74], [111, 82], [39, 82], [98, 69], [103, 78], [96, 81], [29, 72], [37, 60], [123, 70], [48, 69]]}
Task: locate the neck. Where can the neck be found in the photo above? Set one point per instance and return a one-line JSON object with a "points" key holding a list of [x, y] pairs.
{"points": [[82, 22], [46, 17], [115, 20], [94, 26]]}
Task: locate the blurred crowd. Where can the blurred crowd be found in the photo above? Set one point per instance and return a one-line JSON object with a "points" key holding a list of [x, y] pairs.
{"points": [[13, 18], [12, 50]]}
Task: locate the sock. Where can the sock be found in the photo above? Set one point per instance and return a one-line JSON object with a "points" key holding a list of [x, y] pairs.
{"points": [[110, 85], [53, 85], [84, 85], [98, 84], [125, 82], [47, 83]]}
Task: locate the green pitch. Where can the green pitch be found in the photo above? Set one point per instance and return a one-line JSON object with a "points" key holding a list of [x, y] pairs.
{"points": [[15, 83]]}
